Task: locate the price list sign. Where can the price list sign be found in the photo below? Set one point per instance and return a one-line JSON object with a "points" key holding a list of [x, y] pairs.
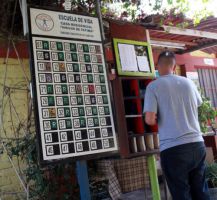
{"points": [[70, 87]]}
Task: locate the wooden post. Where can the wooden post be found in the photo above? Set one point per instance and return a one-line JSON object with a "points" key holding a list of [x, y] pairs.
{"points": [[83, 180], [154, 178]]}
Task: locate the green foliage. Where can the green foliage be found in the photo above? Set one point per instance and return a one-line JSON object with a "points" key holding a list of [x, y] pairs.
{"points": [[202, 14], [158, 4], [207, 114], [56, 182], [132, 10], [211, 175]]}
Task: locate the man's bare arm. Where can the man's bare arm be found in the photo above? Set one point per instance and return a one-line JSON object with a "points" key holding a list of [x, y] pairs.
{"points": [[150, 118]]}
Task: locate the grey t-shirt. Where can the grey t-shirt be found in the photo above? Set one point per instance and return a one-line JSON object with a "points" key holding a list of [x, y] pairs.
{"points": [[175, 99]]}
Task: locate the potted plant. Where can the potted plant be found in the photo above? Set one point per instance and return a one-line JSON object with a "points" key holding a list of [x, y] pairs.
{"points": [[211, 176], [207, 115], [207, 118]]}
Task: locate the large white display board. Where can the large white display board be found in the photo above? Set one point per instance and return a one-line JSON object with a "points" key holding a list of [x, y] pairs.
{"points": [[73, 108]]}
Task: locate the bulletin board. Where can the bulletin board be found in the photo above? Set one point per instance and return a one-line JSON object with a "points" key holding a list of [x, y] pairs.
{"points": [[133, 58], [70, 87]]}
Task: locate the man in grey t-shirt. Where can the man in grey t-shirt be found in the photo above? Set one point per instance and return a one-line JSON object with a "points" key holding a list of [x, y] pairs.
{"points": [[172, 102]]}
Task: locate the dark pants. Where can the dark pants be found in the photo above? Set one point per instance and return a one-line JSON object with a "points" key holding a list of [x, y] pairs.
{"points": [[184, 168]]}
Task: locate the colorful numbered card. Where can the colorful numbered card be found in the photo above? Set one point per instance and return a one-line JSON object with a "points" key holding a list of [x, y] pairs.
{"points": [[70, 86]]}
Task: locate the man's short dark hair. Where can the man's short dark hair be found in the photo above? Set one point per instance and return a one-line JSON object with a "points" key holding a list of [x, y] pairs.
{"points": [[166, 54]]}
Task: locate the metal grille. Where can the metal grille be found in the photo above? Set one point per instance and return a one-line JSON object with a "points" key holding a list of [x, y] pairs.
{"points": [[208, 83]]}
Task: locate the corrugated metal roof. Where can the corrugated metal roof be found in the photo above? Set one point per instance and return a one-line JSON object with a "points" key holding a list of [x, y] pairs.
{"points": [[209, 25], [191, 42]]}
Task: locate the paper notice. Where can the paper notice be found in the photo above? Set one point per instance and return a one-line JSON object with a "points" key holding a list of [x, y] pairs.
{"points": [[127, 57], [143, 64]]}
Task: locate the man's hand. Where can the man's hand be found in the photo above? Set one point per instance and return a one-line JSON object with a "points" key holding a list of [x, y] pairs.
{"points": [[150, 118]]}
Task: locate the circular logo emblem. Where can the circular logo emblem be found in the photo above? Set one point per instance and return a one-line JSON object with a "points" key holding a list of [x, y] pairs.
{"points": [[44, 22]]}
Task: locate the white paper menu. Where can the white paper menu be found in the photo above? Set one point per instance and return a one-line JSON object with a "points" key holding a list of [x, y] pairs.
{"points": [[143, 63], [128, 57]]}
